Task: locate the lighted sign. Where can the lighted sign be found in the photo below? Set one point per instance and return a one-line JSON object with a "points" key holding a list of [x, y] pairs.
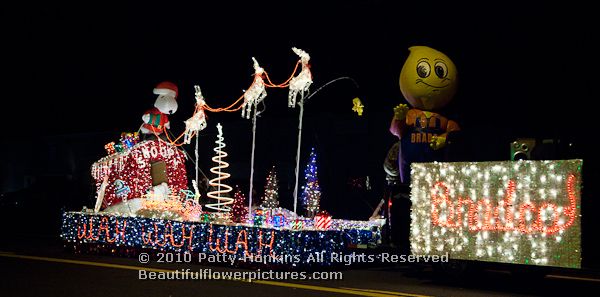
{"points": [[524, 212], [94, 232]]}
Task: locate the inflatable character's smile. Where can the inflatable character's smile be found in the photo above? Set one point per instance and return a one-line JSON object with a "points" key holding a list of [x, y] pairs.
{"points": [[430, 85]]}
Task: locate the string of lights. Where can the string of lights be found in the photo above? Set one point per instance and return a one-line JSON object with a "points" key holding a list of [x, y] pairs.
{"points": [[89, 232], [249, 99]]}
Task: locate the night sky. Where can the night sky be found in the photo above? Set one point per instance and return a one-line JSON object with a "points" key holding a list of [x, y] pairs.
{"points": [[79, 74], [85, 61]]}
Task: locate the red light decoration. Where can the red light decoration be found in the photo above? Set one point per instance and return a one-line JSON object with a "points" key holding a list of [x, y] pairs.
{"points": [[322, 221], [217, 246], [152, 238], [239, 212], [481, 213], [242, 241], [525, 208], [269, 245], [103, 227]]}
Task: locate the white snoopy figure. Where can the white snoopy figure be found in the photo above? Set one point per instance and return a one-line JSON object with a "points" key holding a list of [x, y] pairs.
{"points": [[155, 120]]}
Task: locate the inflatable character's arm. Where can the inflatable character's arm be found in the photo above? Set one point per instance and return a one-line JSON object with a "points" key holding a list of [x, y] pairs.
{"points": [[146, 117], [440, 141], [398, 126]]}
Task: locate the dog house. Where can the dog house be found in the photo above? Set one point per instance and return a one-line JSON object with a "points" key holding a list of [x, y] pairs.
{"points": [[133, 172]]}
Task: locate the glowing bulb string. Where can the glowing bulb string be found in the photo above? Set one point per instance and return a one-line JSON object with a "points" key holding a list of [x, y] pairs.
{"points": [[170, 141], [270, 84], [285, 83], [174, 142], [232, 107], [228, 108]]}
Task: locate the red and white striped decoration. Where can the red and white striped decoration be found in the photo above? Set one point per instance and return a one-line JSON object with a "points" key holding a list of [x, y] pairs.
{"points": [[322, 221]]}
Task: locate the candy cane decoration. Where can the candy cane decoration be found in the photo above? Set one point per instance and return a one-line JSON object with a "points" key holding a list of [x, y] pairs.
{"points": [[100, 198]]}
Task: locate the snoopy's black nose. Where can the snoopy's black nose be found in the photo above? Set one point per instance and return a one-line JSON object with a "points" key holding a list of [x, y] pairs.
{"points": [[170, 111]]}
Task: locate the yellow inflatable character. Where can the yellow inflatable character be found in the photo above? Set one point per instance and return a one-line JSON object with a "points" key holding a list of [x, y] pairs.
{"points": [[428, 81]]}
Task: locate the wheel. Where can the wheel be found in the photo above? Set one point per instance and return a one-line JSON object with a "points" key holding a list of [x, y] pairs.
{"points": [[454, 268], [528, 273]]}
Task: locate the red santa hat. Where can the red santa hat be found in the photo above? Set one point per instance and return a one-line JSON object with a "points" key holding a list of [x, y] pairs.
{"points": [[166, 88]]}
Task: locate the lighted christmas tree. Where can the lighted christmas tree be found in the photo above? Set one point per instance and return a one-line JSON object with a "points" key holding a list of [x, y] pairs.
{"points": [[311, 191], [220, 194], [239, 210], [271, 197]]}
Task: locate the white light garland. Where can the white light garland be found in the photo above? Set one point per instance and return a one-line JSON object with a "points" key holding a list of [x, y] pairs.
{"points": [[256, 93], [301, 82], [197, 122]]}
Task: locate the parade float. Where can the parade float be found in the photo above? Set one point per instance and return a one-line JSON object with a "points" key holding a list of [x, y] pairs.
{"points": [[146, 200]]}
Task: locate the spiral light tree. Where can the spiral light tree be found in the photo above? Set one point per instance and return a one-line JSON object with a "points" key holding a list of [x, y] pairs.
{"points": [[223, 202]]}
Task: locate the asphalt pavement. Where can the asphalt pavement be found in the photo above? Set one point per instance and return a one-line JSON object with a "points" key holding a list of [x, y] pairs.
{"points": [[33, 266]]}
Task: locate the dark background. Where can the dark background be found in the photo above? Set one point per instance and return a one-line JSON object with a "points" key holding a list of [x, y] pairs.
{"points": [[79, 74]]}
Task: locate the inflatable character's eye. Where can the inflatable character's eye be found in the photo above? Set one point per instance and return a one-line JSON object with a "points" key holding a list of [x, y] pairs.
{"points": [[423, 69], [441, 70]]}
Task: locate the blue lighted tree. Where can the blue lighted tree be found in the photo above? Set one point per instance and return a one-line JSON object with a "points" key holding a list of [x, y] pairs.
{"points": [[311, 191]]}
